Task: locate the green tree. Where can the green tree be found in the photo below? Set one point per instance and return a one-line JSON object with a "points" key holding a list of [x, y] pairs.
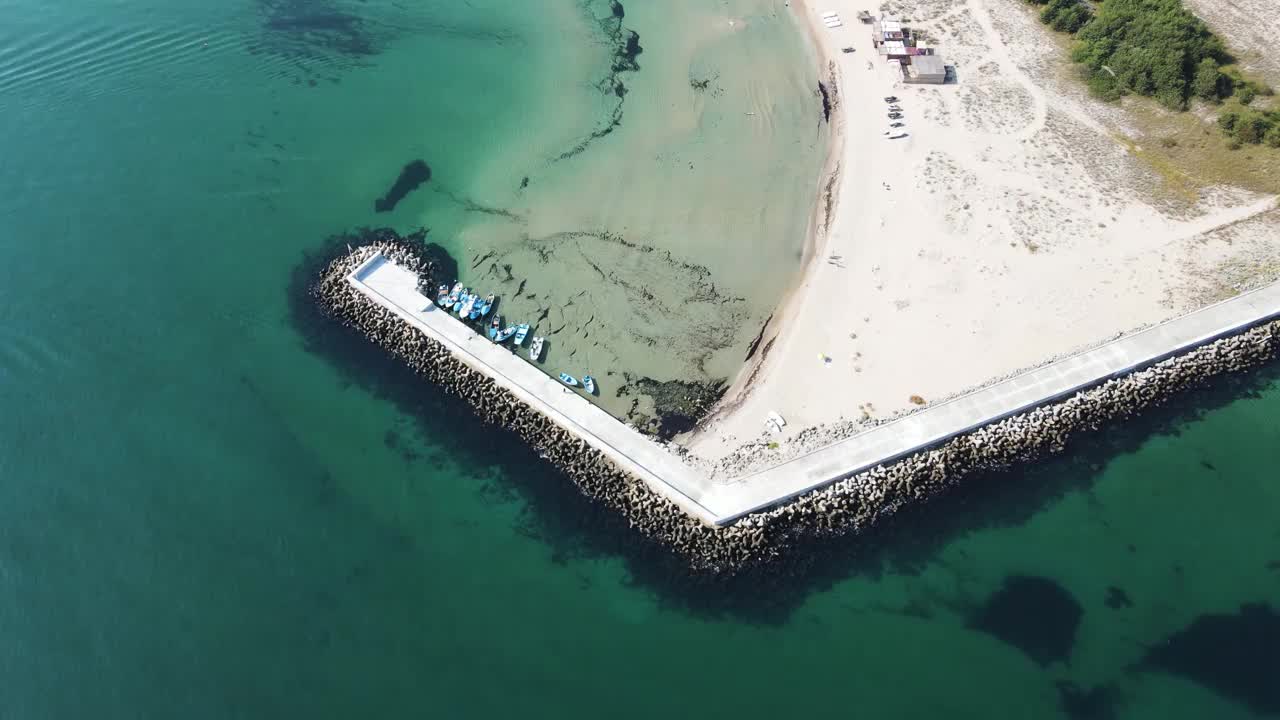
{"points": [[1154, 47]]}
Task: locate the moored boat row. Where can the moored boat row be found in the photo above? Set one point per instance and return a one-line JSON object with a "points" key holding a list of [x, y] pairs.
{"points": [[470, 306]]}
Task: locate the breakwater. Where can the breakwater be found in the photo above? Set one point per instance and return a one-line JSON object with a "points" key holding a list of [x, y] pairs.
{"points": [[848, 505]]}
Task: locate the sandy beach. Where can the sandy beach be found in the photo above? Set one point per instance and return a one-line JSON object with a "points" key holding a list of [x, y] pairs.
{"points": [[1013, 225]]}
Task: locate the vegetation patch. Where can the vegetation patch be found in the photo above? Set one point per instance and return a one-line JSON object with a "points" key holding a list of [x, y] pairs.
{"points": [[1158, 49]]}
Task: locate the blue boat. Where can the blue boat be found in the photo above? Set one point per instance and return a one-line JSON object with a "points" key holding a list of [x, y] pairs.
{"points": [[477, 309], [452, 299], [468, 302], [505, 334], [569, 380], [488, 304], [589, 384], [522, 330], [494, 327]]}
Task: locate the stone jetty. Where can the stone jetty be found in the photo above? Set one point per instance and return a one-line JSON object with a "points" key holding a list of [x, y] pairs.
{"points": [[850, 504]]}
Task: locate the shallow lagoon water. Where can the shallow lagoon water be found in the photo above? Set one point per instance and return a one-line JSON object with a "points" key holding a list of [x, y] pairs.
{"points": [[209, 508]]}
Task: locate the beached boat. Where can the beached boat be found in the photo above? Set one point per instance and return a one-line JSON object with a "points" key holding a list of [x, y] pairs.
{"points": [[522, 330], [535, 349], [488, 304], [569, 380], [589, 384]]}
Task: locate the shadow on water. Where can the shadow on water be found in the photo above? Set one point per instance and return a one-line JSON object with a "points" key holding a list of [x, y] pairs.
{"points": [[574, 527]]}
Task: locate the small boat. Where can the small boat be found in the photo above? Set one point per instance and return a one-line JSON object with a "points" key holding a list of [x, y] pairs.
{"points": [[488, 304], [569, 380], [476, 307], [494, 327], [468, 302], [589, 384], [521, 331], [453, 296], [535, 349], [505, 334], [442, 295]]}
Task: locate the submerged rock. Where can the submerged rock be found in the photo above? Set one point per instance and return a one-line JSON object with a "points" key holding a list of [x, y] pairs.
{"points": [[1034, 614], [413, 175], [1237, 656], [1096, 703], [680, 404]]}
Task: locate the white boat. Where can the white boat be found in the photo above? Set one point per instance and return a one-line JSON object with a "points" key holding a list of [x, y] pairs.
{"points": [[468, 303], [589, 384], [535, 349], [522, 330]]}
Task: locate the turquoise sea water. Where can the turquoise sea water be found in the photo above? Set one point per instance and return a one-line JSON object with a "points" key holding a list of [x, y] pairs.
{"points": [[210, 508]]}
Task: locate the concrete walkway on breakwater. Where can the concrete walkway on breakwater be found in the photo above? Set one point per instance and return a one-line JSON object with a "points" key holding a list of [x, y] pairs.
{"points": [[396, 289], [723, 502]]}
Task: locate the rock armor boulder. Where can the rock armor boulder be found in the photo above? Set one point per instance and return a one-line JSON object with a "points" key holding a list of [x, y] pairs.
{"points": [[758, 541]]}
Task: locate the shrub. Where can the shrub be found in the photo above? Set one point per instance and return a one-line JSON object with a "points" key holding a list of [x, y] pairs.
{"points": [[1104, 85], [1246, 94], [1252, 128], [1272, 138], [1209, 81], [1065, 15], [1228, 121]]}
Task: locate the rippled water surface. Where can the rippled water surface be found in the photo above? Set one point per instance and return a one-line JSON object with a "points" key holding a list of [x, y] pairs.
{"points": [[211, 507]]}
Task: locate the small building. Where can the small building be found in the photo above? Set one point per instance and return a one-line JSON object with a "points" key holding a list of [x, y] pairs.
{"points": [[887, 29], [925, 69], [893, 49]]}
